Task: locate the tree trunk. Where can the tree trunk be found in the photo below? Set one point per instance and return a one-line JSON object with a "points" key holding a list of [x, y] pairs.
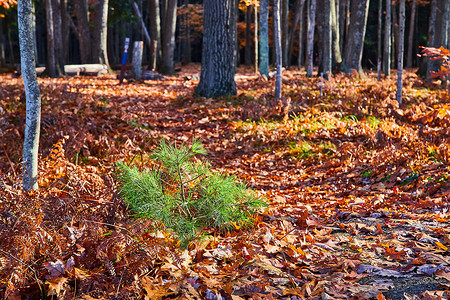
{"points": [[155, 32], [285, 32], [300, 35], [51, 43], [168, 38], [401, 42], [248, 37], [264, 37], [431, 37], [218, 51], [32, 95], [278, 53], [412, 20], [337, 57], [387, 41], [379, 39], [2, 45], [81, 11], [255, 10], [310, 37], [342, 22], [324, 29], [394, 33], [100, 53], [57, 26], [357, 31], [298, 11], [65, 31]]}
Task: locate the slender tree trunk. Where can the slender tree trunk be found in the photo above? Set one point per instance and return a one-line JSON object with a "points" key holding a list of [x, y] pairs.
{"points": [[264, 37], [255, 10], [401, 42], [285, 32], [155, 32], [218, 51], [357, 31], [300, 35], [278, 51], [387, 41], [51, 43], [293, 30], [57, 25], [81, 11], [65, 31], [100, 53], [379, 39], [32, 95], [431, 35], [168, 38], [412, 21], [187, 34], [324, 29], [394, 33], [337, 57], [248, 37], [310, 37], [2, 45], [342, 22]]}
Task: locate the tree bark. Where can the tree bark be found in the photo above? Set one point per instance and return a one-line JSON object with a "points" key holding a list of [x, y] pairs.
{"points": [[285, 32], [300, 35], [168, 38], [248, 37], [155, 32], [387, 41], [324, 30], [57, 26], [278, 53], [81, 11], [412, 21], [337, 57], [379, 39], [32, 95], [2, 45], [310, 37], [401, 42], [298, 11], [51, 43], [100, 54], [218, 52], [264, 37], [255, 10], [342, 21], [357, 31]]}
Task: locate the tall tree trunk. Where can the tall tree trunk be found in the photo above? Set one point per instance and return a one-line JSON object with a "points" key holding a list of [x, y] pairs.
{"points": [[32, 95], [2, 45], [298, 11], [412, 21], [255, 10], [387, 41], [357, 31], [431, 36], [100, 53], [379, 39], [324, 30], [285, 32], [51, 43], [394, 33], [310, 37], [342, 22], [82, 13], [300, 35], [278, 51], [337, 57], [401, 42], [248, 37], [264, 37], [187, 34], [168, 38], [65, 31], [155, 32], [57, 26], [218, 51]]}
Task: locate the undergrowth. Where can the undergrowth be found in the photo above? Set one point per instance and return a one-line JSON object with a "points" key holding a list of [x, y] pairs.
{"points": [[185, 195]]}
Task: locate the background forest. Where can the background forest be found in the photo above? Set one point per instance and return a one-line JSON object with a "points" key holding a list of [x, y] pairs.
{"points": [[73, 32]]}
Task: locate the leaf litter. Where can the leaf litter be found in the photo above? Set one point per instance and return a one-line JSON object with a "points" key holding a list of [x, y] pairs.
{"points": [[358, 190]]}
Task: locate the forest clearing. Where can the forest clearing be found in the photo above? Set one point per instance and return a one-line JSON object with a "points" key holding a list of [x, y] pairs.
{"points": [[357, 186]]}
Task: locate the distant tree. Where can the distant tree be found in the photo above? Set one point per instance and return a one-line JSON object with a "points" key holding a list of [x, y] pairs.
{"points": [[335, 40], [412, 19], [310, 37], [297, 16], [355, 38], [379, 39], [155, 32], [32, 95], [401, 41], [264, 37], [218, 52], [387, 40], [284, 5], [168, 38], [54, 50], [278, 50], [84, 33], [300, 35], [325, 34]]}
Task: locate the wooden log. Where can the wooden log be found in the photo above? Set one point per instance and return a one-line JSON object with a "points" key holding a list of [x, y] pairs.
{"points": [[87, 69]]}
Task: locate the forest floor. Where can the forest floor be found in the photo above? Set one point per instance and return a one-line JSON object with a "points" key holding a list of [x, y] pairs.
{"points": [[358, 188]]}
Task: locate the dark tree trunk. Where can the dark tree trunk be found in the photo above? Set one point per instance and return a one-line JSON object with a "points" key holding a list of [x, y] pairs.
{"points": [[310, 37], [59, 44], [285, 32], [278, 51], [409, 61], [32, 95], [401, 42], [324, 31], [81, 11], [2, 45], [100, 52], [300, 35], [357, 31], [51, 66], [298, 12], [248, 37], [379, 39], [336, 48], [387, 41], [264, 37], [168, 38], [218, 52]]}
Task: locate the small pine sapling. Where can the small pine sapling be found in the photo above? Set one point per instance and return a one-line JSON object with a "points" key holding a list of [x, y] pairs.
{"points": [[184, 194]]}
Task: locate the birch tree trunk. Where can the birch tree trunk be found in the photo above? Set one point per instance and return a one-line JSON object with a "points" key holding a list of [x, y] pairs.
{"points": [[412, 20], [401, 42], [100, 54], [355, 41], [310, 37], [32, 95], [264, 37], [218, 51], [168, 38], [278, 53], [387, 41]]}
